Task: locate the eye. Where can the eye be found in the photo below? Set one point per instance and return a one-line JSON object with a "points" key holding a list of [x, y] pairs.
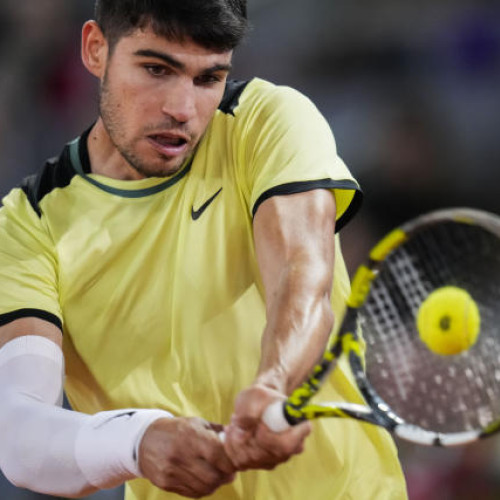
{"points": [[208, 79], [156, 70]]}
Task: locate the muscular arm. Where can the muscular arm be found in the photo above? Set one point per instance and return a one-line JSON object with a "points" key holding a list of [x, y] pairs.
{"points": [[294, 239]]}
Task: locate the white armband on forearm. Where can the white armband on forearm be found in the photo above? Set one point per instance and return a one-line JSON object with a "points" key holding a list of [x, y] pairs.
{"points": [[48, 449]]}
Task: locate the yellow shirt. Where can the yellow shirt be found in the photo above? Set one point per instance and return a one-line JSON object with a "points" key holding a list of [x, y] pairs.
{"points": [[156, 286]]}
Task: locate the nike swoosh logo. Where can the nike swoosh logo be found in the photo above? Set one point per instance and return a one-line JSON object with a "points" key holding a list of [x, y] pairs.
{"points": [[196, 214], [128, 414]]}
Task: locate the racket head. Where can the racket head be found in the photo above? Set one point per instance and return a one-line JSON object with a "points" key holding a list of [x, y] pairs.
{"points": [[422, 396]]}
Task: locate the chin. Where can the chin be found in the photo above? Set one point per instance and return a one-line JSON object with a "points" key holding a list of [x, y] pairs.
{"points": [[157, 167], [163, 170]]}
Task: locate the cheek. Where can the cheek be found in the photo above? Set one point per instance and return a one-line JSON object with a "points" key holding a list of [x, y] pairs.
{"points": [[207, 107], [132, 91], [136, 97], [135, 104]]}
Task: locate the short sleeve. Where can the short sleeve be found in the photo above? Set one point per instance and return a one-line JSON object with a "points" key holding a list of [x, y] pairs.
{"points": [[28, 265], [290, 148]]}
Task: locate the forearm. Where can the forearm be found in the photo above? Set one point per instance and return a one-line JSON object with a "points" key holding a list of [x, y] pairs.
{"points": [[295, 244], [51, 450], [300, 319]]}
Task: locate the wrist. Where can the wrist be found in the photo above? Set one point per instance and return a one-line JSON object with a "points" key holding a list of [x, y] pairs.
{"points": [[107, 445], [275, 379]]}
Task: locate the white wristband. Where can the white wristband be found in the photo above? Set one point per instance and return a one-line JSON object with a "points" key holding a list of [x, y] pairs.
{"points": [[107, 444]]}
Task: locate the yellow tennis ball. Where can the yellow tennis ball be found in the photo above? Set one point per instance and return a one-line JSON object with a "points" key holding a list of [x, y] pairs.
{"points": [[448, 321]]}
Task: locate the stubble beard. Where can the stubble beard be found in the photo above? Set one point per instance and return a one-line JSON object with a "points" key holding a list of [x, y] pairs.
{"points": [[110, 116]]}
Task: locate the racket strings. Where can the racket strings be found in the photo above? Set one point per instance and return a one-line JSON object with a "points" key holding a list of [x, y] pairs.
{"points": [[443, 393]]}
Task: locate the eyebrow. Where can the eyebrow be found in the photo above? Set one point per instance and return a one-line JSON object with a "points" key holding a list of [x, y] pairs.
{"points": [[172, 61]]}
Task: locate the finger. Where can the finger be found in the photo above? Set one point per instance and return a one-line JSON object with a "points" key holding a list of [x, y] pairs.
{"points": [[207, 474], [248, 408], [223, 463], [246, 423], [301, 431], [231, 444], [182, 481], [236, 446], [285, 444], [218, 457], [194, 479], [236, 440], [218, 428], [296, 432], [250, 454]]}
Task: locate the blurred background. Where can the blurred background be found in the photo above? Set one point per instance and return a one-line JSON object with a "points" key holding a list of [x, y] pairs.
{"points": [[412, 92]]}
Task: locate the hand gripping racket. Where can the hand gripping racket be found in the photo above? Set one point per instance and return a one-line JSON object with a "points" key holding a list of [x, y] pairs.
{"points": [[427, 305]]}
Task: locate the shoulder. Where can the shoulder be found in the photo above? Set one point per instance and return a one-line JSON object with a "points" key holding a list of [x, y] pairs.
{"points": [[242, 97], [55, 173], [257, 108]]}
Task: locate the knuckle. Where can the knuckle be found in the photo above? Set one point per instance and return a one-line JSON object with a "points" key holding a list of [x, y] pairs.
{"points": [[270, 466], [197, 421], [240, 463], [162, 482], [166, 478], [214, 486], [228, 478], [290, 449], [185, 492], [212, 478], [212, 454]]}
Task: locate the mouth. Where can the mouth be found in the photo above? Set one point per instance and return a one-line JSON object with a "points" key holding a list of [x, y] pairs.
{"points": [[169, 144]]}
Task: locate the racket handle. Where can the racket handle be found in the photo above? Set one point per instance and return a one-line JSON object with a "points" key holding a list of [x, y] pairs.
{"points": [[274, 417]]}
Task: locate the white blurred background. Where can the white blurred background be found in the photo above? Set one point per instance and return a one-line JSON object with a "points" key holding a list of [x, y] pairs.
{"points": [[412, 92]]}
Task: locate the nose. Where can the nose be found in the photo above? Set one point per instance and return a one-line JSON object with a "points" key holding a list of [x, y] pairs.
{"points": [[180, 101]]}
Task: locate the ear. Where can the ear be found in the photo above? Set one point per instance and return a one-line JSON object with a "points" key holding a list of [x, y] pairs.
{"points": [[94, 49]]}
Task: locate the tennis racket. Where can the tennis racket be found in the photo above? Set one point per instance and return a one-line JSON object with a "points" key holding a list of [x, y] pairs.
{"points": [[425, 397]]}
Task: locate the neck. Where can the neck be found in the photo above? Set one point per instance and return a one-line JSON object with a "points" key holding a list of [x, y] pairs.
{"points": [[105, 159]]}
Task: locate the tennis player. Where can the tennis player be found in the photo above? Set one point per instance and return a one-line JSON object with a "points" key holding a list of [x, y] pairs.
{"points": [[176, 269]]}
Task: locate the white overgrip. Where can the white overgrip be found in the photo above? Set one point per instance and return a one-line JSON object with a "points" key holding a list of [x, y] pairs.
{"points": [[274, 417]]}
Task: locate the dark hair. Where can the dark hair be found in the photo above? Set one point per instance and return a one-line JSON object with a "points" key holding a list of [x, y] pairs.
{"points": [[214, 24]]}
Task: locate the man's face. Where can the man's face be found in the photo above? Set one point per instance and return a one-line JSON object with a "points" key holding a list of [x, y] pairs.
{"points": [[158, 97]]}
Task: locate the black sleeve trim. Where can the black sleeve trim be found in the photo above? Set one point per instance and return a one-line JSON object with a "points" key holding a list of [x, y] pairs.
{"points": [[231, 98], [56, 173], [30, 313], [302, 187]]}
